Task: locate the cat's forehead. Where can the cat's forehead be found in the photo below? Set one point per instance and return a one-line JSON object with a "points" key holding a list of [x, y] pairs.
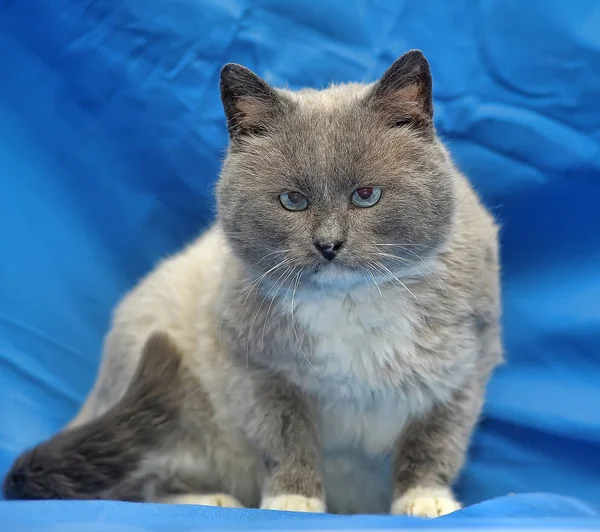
{"points": [[335, 98], [331, 136]]}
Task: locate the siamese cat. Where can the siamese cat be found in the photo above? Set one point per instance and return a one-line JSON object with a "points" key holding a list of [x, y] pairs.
{"points": [[325, 345]]}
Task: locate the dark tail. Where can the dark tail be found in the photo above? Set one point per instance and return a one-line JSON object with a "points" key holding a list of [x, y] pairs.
{"points": [[86, 461]]}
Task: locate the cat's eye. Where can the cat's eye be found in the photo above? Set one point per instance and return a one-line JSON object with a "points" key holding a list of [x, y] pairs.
{"points": [[293, 201], [366, 196]]}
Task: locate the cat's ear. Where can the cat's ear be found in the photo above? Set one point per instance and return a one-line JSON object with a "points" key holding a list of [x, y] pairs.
{"points": [[404, 93], [249, 102]]}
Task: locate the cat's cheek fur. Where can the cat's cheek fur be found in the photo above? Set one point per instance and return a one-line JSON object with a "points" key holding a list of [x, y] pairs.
{"points": [[423, 501]]}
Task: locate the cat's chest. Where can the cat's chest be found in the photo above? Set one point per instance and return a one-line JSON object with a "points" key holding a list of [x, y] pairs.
{"points": [[355, 343], [358, 350]]}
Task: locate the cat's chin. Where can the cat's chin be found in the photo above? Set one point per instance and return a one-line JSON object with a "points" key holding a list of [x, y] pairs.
{"points": [[336, 277], [340, 276]]}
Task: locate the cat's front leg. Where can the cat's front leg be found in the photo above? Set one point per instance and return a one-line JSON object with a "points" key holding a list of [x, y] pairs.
{"points": [[430, 454], [281, 426]]}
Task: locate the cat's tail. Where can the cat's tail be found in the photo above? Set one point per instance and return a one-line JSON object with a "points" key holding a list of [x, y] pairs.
{"points": [[87, 461]]}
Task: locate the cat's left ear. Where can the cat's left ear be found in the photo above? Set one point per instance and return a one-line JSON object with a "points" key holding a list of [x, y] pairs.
{"points": [[250, 103], [404, 93]]}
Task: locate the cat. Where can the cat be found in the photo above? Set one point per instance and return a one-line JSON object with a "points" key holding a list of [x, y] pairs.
{"points": [[335, 328]]}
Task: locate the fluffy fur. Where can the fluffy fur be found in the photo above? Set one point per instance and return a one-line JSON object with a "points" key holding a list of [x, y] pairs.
{"points": [[351, 385]]}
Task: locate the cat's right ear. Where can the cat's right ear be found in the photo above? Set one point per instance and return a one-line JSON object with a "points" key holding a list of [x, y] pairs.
{"points": [[404, 93], [249, 102]]}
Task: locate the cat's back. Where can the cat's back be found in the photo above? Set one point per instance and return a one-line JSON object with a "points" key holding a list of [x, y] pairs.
{"points": [[470, 267], [172, 295], [172, 298]]}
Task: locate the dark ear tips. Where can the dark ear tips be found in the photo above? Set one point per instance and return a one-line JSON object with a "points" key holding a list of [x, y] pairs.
{"points": [[232, 73], [235, 80], [249, 102], [228, 67], [226, 73], [416, 56], [412, 66], [404, 92]]}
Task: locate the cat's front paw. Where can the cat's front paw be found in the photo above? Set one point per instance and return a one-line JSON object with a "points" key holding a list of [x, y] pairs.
{"points": [[426, 502], [211, 499], [293, 503]]}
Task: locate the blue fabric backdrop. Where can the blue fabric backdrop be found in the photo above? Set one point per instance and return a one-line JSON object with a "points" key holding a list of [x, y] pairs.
{"points": [[111, 134]]}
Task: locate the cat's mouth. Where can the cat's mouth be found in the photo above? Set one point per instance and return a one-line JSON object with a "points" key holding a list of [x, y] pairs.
{"points": [[334, 275], [339, 276]]}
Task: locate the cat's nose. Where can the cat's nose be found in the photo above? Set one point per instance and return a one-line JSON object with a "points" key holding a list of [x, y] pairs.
{"points": [[329, 249]]}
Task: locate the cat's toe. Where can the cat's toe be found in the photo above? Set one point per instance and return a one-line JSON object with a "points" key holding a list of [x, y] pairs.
{"points": [[293, 503], [426, 502], [213, 499]]}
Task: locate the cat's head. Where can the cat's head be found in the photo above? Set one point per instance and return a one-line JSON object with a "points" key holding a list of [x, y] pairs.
{"points": [[342, 184]]}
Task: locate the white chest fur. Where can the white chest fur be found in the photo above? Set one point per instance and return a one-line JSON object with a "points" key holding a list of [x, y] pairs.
{"points": [[358, 345]]}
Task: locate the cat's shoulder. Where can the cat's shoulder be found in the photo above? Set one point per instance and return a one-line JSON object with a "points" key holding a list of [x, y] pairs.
{"points": [[177, 280]]}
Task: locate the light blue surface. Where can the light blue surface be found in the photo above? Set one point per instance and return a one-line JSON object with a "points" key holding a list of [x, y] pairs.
{"points": [[521, 511], [111, 133]]}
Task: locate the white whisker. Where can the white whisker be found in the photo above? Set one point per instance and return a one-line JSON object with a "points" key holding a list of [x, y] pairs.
{"points": [[296, 284], [418, 301], [390, 276], [276, 252], [398, 245], [284, 262], [367, 284], [249, 285], [288, 273], [256, 316], [385, 312], [415, 266]]}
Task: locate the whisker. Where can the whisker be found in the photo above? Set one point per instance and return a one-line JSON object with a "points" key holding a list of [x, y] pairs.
{"points": [[418, 301], [284, 262], [287, 273], [385, 311], [276, 252], [255, 318], [415, 266], [403, 286], [296, 284], [364, 272], [419, 263], [404, 248], [390, 276], [249, 285], [455, 211], [399, 245]]}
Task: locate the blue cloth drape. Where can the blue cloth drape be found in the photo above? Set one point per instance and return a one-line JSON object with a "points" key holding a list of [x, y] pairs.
{"points": [[111, 134]]}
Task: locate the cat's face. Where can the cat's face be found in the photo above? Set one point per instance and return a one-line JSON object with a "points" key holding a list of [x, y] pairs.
{"points": [[338, 186]]}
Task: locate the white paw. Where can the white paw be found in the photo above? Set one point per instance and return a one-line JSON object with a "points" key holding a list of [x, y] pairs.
{"points": [[212, 499], [426, 502], [293, 503]]}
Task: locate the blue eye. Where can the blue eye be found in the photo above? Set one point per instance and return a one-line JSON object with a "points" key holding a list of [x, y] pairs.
{"points": [[293, 201], [366, 196]]}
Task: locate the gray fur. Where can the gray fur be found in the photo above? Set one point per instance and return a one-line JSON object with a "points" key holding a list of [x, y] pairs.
{"points": [[306, 377], [96, 459]]}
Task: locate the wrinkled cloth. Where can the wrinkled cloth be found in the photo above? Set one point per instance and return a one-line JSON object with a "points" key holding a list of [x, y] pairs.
{"points": [[111, 136]]}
